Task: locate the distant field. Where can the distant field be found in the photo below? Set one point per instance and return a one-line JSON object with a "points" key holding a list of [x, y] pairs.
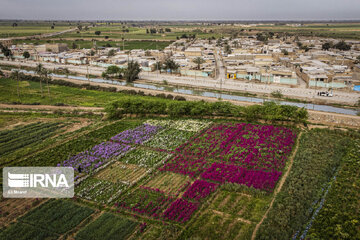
{"points": [[116, 30], [128, 45], [28, 30], [347, 31]]}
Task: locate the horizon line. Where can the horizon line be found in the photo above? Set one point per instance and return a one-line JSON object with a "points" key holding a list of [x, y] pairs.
{"points": [[186, 20]]}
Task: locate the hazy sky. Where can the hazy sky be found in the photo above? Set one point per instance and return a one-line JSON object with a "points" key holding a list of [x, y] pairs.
{"points": [[181, 10]]}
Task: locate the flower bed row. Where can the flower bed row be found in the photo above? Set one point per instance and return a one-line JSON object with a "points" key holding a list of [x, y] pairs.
{"points": [[185, 125], [169, 139], [181, 210], [222, 173], [137, 135], [200, 189], [100, 191], [248, 145], [88, 161], [185, 165], [146, 201], [145, 158]]}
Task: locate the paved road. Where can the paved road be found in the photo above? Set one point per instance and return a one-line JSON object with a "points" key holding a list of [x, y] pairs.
{"points": [[341, 97]]}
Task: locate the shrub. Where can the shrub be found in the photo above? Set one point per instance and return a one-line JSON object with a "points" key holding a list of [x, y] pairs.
{"points": [[179, 98], [277, 94], [269, 111], [169, 96]]}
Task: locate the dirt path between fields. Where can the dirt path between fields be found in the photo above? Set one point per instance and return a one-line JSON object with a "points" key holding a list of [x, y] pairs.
{"points": [[278, 189], [48, 107]]}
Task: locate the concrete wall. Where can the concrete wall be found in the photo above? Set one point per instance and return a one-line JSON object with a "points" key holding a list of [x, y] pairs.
{"points": [[193, 73], [313, 83], [271, 79]]}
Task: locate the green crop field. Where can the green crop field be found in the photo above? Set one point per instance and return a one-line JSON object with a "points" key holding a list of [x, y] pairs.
{"points": [[80, 44], [30, 93], [336, 30], [29, 29]]}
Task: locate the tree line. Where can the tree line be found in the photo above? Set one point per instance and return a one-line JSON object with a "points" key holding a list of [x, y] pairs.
{"points": [[269, 111]]}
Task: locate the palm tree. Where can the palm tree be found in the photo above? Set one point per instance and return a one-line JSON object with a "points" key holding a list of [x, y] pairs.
{"points": [[236, 44], [198, 61], [227, 49], [171, 65], [132, 71], [159, 66], [39, 70]]}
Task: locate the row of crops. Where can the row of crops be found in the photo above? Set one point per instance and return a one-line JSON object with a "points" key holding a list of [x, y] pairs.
{"points": [[339, 216], [26, 136], [57, 154], [167, 170], [155, 170], [320, 159], [182, 179]]}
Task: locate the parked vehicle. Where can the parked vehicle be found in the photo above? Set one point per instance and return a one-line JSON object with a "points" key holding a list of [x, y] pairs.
{"points": [[325, 94]]}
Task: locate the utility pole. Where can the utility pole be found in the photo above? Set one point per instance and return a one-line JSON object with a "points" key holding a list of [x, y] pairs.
{"points": [[87, 70]]}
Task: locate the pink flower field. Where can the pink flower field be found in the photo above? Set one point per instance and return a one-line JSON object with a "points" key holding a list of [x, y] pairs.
{"points": [[246, 154]]}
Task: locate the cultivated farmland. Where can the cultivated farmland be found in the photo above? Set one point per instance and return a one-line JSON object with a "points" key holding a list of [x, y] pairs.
{"points": [[166, 178]]}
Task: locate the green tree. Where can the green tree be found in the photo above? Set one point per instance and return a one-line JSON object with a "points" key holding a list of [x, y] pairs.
{"points": [[97, 33], [343, 46], [227, 49], [6, 51], [26, 54], [113, 72], [198, 61], [111, 53], [132, 71], [285, 52], [236, 44], [171, 65], [159, 66], [326, 46]]}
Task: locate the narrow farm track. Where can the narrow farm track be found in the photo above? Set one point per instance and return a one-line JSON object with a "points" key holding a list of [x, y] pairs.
{"points": [[228, 215], [278, 189], [48, 107]]}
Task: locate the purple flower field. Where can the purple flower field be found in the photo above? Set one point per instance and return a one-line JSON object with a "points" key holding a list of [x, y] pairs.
{"points": [[87, 161], [137, 135]]}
